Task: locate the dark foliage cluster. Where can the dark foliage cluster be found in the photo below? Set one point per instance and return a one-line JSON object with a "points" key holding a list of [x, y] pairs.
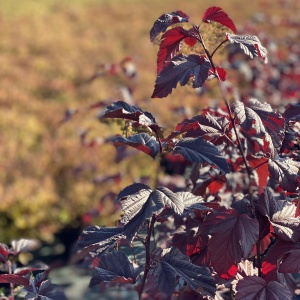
{"points": [[232, 232]]}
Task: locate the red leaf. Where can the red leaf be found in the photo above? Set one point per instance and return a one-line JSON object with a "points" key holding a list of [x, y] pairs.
{"points": [[216, 14], [14, 279], [260, 165], [256, 288], [281, 214], [233, 238], [275, 255], [221, 74], [170, 45]]}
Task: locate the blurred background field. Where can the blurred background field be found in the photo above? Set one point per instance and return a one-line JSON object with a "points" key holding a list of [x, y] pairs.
{"points": [[52, 181]]}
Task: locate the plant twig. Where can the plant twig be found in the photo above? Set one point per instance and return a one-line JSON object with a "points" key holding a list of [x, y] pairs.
{"points": [[148, 255]]}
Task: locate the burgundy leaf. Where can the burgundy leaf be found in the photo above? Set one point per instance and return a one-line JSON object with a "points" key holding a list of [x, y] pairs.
{"points": [[221, 74], [233, 238], [256, 288], [200, 150], [31, 268], [252, 127], [275, 255], [170, 45], [181, 69], [132, 189], [116, 267], [40, 288], [272, 121], [133, 202], [290, 262], [286, 172], [98, 239], [174, 201], [14, 279], [173, 263], [250, 44], [260, 166], [123, 110], [212, 128], [141, 141], [282, 216], [165, 20], [216, 14], [292, 112]]}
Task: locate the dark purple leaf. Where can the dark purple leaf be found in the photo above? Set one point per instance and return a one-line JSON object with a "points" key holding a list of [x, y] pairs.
{"points": [[282, 216], [99, 239], [123, 110], [170, 45], [256, 288], [114, 266], [233, 238], [43, 289], [275, 256], [217, 14], [272, 121], [181, 69], [286, 172], [141, 141], [212, 128], [140, 206], [252, 127], [172, 200], [250, 44], [172, 264], [165, 20], [200, 150], [14, 279], [292, 112], [131, 189], [290, 262]]}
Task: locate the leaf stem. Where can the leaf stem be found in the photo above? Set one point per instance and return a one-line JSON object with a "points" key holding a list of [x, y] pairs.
{"points": [[248, 169], [258, 258], [12, 297], [148, 255], [213, 53]]}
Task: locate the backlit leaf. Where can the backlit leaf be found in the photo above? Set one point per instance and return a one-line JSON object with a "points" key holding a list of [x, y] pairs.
{"points": [[233, 238], [282, 216], [217, 14], [170, 45], [250, 44], [286, 172]]}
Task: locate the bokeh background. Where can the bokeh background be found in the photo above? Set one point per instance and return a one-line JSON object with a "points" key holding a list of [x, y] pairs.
{"points": [[57, 173]]}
